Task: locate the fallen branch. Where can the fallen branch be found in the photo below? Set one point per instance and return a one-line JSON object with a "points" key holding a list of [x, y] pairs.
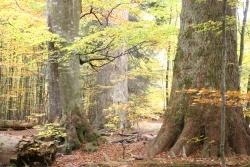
{"points": [[15, 125]]}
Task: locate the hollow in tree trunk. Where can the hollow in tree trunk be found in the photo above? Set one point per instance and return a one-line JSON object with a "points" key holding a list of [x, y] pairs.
{"points": [[198, 65]]}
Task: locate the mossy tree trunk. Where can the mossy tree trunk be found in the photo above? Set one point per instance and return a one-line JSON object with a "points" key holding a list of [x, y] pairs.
{"points": [[64, 18], [198, 64]]}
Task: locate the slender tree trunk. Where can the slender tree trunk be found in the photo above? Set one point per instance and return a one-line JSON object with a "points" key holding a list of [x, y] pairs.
{"points": [[197, 66], [223, 86], [64, 18], [242, 33], [248, 104]]}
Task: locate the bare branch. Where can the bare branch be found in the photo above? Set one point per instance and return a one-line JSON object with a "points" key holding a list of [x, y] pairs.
{"points": [[110, 13], [93, 13], [111, 59], [17, 4]]}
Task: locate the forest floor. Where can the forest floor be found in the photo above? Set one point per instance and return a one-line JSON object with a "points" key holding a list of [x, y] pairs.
{"points": [[114, 153], [110, 154]]}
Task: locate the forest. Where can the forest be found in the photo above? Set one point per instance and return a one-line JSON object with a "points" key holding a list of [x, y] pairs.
{"points": [[124, 83]]}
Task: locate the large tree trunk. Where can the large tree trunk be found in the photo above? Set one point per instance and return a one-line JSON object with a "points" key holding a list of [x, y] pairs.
{"points": [[102, 98], [120, 90], [112, 93], [198, 65], [55, 110], [64, 17], [112, 83]]}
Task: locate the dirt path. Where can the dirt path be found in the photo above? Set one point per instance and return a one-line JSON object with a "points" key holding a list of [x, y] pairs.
{"points": [[146, 126], [108, 152]]}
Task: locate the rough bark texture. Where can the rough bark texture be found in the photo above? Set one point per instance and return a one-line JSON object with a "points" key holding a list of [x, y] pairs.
{"points": [[198, 65], [64, 17]]}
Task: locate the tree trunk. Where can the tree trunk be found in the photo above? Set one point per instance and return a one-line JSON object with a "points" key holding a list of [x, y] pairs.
{"points": [[55, 110], [112, 83], [63, 18], [248, 104], [120, 90], [198, 65], [112, 93], [102, 98], [242, 33]]}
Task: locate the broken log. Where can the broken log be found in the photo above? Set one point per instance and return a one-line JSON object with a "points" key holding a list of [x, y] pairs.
{"points": [[23, 151], [37, 150], [16, 125]]}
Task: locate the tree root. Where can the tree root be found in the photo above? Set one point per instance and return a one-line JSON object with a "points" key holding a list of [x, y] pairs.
{"points": [[208, 126], [165, 139], [185, 142]]}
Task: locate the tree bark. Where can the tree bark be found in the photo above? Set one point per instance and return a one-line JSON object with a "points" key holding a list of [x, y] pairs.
{"points": [[198, 66], [112, 93], [248, 104], [64, 18], [112, 84], [223, 87], [102, 97], [55, 110], [242, 33]]}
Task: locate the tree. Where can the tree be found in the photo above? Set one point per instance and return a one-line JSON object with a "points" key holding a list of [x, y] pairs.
{"points": [[112, 92], [223, 86], [111, 81], [55, 110], [64, 18], [188, 124], [242, 33]]}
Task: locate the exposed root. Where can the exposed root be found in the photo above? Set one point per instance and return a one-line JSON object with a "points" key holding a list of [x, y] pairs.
{"points": [[212, 132], [240, 134], [185, 140], [170, 138], [165, 139]]}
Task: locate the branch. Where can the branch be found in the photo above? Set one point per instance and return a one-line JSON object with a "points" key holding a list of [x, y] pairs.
{"points": [[110, 12], [93, 13], [110, 59], [89, 13], [17, 4], [100, 49]]}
